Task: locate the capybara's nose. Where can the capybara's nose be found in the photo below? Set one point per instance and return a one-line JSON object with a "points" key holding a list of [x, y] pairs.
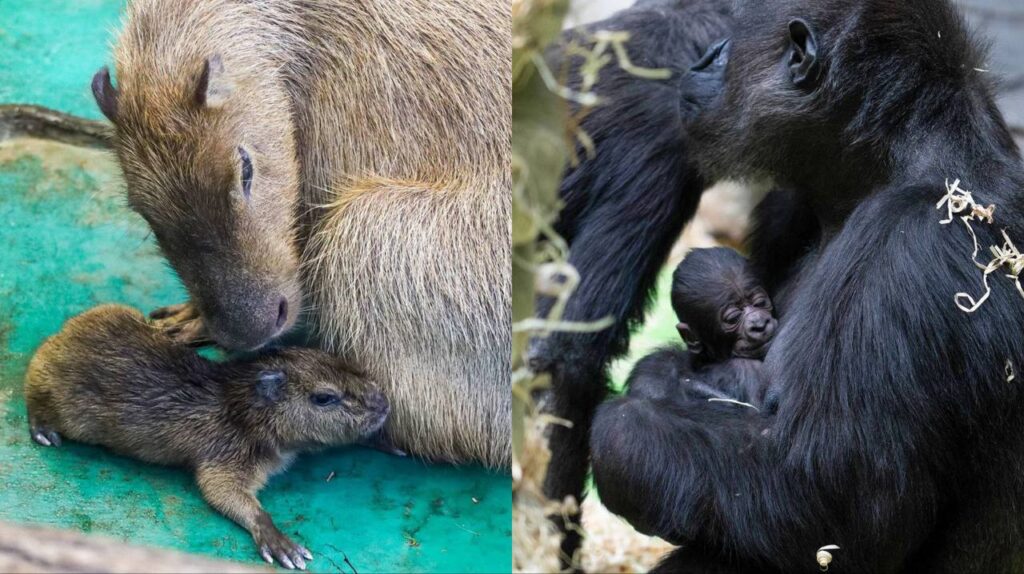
{"points": [[378, 403], [248, 322]]}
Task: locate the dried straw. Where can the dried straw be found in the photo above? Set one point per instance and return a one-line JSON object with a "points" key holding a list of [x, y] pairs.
{"points": [[959, 201]]}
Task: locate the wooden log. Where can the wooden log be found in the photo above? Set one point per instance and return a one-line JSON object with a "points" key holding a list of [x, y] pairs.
{"points": [[21, 120], [34, 549]]}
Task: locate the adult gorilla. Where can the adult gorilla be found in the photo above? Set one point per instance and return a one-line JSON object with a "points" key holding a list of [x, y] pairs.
{"points": [[896, 433]]}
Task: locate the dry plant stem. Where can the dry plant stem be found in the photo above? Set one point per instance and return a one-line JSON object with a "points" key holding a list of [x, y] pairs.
{"points": [[538, 157], [597, 57], [824, 556], [734, 402], [612, 545], [544, 326], [958, 201]]}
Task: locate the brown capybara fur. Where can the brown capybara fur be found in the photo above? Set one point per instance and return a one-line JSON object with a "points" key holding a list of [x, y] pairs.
{"points": [[109, 378], [345, 158]]}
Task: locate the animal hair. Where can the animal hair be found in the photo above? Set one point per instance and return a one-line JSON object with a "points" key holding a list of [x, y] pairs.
{"points": [[383, 135], [624, 207], [890, 428]]}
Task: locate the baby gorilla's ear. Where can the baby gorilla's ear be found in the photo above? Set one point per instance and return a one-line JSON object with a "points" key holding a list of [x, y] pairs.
{"points": [[693, 344], [270, 385]]}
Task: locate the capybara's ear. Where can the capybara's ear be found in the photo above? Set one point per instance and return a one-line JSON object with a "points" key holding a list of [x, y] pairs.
{"points": [[214, 86], [270, 384], [105, 93]]}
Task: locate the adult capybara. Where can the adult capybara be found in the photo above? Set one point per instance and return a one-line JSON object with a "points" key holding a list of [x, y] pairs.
{"points": [[347, 160]]}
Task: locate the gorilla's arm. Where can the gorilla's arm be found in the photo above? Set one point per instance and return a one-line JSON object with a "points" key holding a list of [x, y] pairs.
{"points": [[874, 366], [784, 233], [618, 247], [668, 372], [660, 374], [648, 457], [624, 208]]}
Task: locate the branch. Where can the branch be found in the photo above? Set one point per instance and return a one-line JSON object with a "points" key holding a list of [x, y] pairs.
{"points": [[20, 120], [37, 549]]}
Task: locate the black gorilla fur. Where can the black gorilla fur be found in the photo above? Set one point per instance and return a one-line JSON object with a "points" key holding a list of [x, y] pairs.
{"points": [[894, 432], [623, 211], [725, 317]]}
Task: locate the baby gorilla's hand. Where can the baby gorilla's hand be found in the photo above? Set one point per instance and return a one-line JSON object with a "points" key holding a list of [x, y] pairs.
{"points": [[183, 323], [274, 545]]}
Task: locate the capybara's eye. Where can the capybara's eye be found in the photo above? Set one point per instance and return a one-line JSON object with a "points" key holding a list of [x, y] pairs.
{"points": [[246, 172], [324, 399]]}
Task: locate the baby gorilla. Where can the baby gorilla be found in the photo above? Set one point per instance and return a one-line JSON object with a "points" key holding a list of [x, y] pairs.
{"points": [[725, 318], [109, 378]]}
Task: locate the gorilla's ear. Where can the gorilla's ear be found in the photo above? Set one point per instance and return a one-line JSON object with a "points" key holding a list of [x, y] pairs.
{"points": [[693, 343], [269, 385], [214, 86], [105, 93], [802, 55]]}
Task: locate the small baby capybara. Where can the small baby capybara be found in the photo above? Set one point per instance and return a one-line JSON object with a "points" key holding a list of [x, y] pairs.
{"points": [[111, 379]]}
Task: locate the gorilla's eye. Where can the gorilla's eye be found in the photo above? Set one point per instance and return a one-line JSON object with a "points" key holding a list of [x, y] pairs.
{"points": [[762, 303], [246, 172], [731, 316], [324, 399]]}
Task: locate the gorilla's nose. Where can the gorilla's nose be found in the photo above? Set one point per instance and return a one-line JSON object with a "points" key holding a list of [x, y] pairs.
{"points": [[761, 327]]}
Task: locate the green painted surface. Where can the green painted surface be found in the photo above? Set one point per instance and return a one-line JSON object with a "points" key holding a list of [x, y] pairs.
{"points": [[68, 243], [51, 50]]}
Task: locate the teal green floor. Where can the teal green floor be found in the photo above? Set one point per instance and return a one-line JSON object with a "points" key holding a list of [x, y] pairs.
{"points": [[67, 243]]}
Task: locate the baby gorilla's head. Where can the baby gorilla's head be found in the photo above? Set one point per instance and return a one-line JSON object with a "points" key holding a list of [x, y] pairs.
{"points": [[723, 311]]}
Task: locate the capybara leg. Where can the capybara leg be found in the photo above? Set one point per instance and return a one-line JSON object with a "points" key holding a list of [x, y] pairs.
{"points": [[274, 545], [233, 493]]}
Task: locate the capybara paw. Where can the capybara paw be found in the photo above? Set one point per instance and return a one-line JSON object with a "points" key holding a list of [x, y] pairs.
{"points": [[273, 545], [173, 313], [183, 323], [45, 436]]}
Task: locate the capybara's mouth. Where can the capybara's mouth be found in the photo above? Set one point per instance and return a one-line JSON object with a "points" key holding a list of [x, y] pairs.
{"points": [[377, 419]]}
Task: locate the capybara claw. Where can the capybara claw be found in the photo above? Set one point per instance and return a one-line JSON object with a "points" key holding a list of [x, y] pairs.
{"points": [[275, 546], [45, 436]]}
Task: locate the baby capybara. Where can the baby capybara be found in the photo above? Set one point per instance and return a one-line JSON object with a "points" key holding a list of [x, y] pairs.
{"points": [[109, 378]]}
